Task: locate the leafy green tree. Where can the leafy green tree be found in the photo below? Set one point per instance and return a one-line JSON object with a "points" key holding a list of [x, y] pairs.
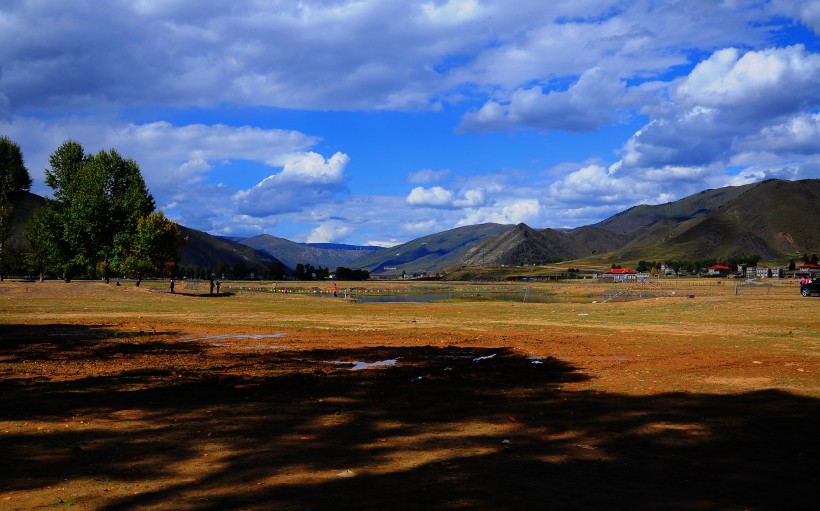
{"points": [[343, 273], [154, 244], [98, 201], [14, 183]]}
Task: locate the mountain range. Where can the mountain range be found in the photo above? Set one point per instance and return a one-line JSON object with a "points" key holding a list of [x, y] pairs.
{"points": [[775, 219]]}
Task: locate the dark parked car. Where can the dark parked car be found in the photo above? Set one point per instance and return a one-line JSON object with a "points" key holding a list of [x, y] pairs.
{"points": [[810, 289]]}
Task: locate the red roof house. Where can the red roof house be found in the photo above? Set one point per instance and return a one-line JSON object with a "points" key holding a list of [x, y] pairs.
{"points": [[718, 269]]}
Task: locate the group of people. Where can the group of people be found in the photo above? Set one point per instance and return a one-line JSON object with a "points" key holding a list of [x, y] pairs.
{"points": [[217, 284], [805, 280], [213, 285]]}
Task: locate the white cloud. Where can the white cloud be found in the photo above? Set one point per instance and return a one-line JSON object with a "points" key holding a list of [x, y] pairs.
{"points": [[730, 104], [329, 233], [754, 85], [312, 168], [305, 180], [797, 135], [438, 197], [435, 197], [508, 213], [472, 198], [588, 104], [408, 55]]}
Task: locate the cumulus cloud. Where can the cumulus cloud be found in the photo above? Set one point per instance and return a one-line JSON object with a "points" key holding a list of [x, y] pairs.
{"points": [[507, 213], [797, 135], [305, 180], [756, 85], [410, 55], [731, 103], [329, 233], [435, 197], [438, 197], [588, 104]]}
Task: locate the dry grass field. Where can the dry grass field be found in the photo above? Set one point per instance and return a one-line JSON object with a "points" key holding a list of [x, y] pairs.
{"points": [[701, 396]]}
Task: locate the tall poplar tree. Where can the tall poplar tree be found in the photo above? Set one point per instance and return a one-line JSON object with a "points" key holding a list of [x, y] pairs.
{"points": [[98, 199]]}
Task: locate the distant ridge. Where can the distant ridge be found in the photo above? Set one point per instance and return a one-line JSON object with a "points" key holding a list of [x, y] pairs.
{"points": [[642, 216], [206, 251], [524, 245], [431, 253], [326, 255], [775, 219]]}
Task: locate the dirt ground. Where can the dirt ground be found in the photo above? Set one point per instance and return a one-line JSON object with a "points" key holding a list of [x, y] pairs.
{"points": [[113, 397]]}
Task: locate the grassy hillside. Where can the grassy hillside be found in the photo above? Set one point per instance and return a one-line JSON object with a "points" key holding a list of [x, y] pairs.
{"points": [[524, 245], [689, 207]]}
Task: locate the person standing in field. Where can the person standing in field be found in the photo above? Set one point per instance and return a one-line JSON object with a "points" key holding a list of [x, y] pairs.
{"points": [[218, 285], [335, 290]]}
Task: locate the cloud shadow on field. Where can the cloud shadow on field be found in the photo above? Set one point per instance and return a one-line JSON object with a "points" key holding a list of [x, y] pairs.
{"points": [[443, 428]]}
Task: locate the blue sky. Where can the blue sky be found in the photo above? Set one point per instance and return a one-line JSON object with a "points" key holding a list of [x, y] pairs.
{"points": [[380, 121]]}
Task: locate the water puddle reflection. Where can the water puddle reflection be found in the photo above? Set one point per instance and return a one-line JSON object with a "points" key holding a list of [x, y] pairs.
{"points": [[358, 366]]}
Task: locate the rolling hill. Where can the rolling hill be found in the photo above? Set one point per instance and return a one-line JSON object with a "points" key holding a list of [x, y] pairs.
{"points": [[327, 255], [524, 245], [430, 253], [775, 219], [206, 251]]}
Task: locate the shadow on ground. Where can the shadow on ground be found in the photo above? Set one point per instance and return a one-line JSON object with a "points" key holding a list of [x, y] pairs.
{"points": [[443, 428]]}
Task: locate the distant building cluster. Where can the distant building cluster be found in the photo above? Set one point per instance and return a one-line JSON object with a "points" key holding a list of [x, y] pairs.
{"points": [[743, 271]]}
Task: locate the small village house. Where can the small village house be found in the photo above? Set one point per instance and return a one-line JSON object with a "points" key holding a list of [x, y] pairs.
{"points": [[718, 270], [620, 275]]}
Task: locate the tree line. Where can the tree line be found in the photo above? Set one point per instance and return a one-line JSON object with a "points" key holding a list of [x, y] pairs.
{"points": [[101, 219]]}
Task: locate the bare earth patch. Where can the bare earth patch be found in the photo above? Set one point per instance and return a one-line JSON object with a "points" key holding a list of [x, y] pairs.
{"points": [[125, 398]]}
